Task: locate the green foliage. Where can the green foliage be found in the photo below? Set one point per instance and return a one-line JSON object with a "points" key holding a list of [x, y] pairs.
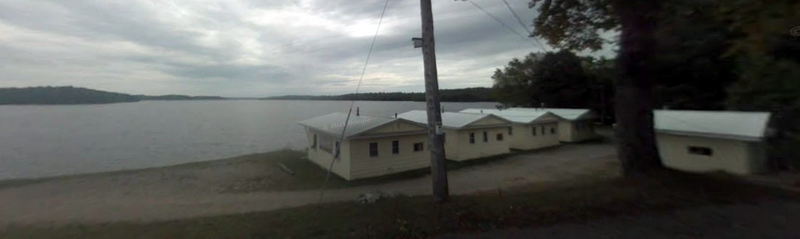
{"points": [[692, 70], [768, 61], [61, 95], [574, 24], [560, 79], [476, 94]]}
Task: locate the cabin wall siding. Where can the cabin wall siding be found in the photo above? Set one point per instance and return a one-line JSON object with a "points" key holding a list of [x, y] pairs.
{"points": [[451, 143], [364, 166], [323, 158], [569, 132], [523, 138], [728, 155], [481, 149]]}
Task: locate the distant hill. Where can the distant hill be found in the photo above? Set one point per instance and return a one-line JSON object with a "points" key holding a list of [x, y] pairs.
{"points": [[60, 95], [476, 94], [64, 95], [179, 97]]}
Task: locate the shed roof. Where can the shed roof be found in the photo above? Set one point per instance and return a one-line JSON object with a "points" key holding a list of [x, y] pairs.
{"points": [[333, 123], [521, 117], [452, 120], [748, 126]]}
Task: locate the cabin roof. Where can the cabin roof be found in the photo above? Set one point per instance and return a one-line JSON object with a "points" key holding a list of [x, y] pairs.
{"points": [[566, 113], [333, 123], [453, 120], [522, 117], [748, 126]]}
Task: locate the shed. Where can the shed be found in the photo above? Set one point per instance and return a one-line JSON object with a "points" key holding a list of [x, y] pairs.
{"points": [[529, 130], [701, 141], [469, 136], [371, 146]]}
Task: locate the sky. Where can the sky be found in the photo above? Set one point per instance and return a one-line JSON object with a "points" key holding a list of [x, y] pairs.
{"points": [[250, 48]]}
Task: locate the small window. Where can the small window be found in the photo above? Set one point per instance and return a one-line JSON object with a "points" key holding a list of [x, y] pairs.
{"points": [[418, 147], [373, 149], [553, 130], [471, 138], [533, 130], [499, 137], [701, 150], [395, 147], [543, 132], [314, 142], [510, 130], [485, 136]]}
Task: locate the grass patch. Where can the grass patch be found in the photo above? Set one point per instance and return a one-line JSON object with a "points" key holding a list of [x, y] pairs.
{"points": [[418, 217]]}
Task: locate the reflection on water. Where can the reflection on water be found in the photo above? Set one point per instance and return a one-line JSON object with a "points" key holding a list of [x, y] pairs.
{"points": [[39, 141]]}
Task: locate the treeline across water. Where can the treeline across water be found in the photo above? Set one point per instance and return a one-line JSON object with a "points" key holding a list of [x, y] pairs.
{"points": [[65, 95], [475, 94]]}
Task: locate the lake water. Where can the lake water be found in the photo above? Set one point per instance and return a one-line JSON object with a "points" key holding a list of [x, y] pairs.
{"points": [[41, 141]]}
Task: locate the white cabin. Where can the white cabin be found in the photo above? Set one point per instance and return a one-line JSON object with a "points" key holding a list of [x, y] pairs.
{"points": [[575, 124], [529, 130], [469, 136], [371, 146], [703, 141]]}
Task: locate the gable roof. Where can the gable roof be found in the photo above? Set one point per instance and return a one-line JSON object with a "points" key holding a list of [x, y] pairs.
{"points": [[747, 126], [333, 123], [451, 120], [566, 113], [521, 117]]}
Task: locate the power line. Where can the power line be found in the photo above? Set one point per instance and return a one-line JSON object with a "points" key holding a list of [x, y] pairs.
{"points": [[495, 18], [519, 20], [337, 145], [525, 27]]}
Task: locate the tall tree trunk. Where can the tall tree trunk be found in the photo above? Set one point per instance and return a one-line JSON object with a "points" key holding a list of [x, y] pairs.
{"points": [[634, 87]]}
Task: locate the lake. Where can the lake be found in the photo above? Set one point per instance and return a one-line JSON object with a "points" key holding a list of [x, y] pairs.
{"points": [[50, 140]]}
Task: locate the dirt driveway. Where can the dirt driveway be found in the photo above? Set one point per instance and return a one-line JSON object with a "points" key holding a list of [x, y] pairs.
{"points": [[149, 196]]}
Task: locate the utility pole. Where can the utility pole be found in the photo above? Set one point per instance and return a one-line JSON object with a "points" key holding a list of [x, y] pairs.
{"points": [[435, 134]]}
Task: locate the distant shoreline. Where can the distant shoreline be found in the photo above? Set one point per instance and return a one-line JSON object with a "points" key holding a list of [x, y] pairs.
{"points": [[68, 95]]}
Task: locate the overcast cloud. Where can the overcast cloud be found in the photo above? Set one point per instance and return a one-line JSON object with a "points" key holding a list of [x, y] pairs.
{"points": [[248, 47]]}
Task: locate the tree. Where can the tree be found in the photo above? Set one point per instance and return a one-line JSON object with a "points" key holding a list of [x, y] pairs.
{"points": [[693, 71], [578, 25], [552, 79], [513, 85], [768, 58]]}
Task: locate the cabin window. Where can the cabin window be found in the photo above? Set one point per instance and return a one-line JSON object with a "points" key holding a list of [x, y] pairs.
{"points": [[471, 138], [314, 142], [701, 150], [553, 130], [418, 147], [326, 143], [373, 149], [510, 130], [543, 131], [395, 147], [499, 137], [533, 130], [485, 137]]}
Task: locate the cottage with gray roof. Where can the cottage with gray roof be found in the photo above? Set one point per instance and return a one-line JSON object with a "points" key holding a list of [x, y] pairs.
{"points": [[528, 130], [469, 136], [369, 147]]}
